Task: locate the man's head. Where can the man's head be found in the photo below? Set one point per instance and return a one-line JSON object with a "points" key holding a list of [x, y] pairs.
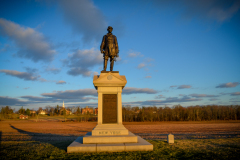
{"points": [[109, 29]]}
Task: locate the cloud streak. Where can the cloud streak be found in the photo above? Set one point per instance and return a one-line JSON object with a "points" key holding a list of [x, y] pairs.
{"points": [[181, 86], [141, 65], [4, 101], [22, 75], [148, 77], [135, 54], [168, 100], [218, 10], [61, 82], [235, 94], [53, 70], [202, 95], [184, 86], [85, 18], [132, 90], [72, 94], [32, 44], [81, 62], [228, 85]]}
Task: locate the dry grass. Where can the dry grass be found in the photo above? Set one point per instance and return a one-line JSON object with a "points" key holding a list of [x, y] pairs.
{"points": [[31, 130], [24, 139], [186, 130]]}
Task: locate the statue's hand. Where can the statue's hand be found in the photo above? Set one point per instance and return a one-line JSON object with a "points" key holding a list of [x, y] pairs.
{"points": [[102, 51]]}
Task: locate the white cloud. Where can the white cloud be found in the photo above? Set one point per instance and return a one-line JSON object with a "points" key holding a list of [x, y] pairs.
{"points": [[22, 75], [36, 99], [168, 100], [159, 96], [213, 99], [72, 94], [184, 86], [148, 77], [218, 10], [53, 70], [81, 61], [27, 76], [85, 18], [181, 86], [146, 64], [235, 94], [32, 44], [4, 101], [132, 90], [5, 48], [43, 80], [228, 85], [61, 82], [141, 65], [135, 54], [202, 95]]}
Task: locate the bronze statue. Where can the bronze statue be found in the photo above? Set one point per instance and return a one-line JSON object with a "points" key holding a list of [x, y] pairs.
{"points": [[109, 48]]}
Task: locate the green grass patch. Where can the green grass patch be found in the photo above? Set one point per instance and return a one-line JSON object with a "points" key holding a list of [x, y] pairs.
{"points": [[181, 149]]}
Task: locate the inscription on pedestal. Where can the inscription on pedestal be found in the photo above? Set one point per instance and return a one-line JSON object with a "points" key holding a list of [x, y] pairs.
{"points": [[109, 108], [110, 133]]}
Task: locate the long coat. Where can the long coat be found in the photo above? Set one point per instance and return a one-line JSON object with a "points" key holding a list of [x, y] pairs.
{"points": [[109, 45]]}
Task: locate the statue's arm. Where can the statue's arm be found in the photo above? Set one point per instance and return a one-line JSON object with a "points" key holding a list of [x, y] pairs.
{"points": [[102, 44]]}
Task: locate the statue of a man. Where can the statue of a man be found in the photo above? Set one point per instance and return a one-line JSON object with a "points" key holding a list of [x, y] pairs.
{"points": [[109, 48]]}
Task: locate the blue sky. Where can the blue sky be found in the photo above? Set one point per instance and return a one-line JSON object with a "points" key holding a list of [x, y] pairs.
{"points": [[171, 52]]}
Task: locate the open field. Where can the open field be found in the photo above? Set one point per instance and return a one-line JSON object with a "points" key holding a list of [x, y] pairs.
{"points": [[49, 139], [147, 130]]}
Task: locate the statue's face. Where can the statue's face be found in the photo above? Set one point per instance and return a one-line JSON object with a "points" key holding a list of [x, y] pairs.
{"points": [[110, 30]]}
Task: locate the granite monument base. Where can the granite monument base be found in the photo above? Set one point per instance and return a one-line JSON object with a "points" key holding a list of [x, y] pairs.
{"points": [[109, 135], [109, 143]]}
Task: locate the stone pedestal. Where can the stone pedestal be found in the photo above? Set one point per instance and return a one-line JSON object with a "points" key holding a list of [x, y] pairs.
{"points": [[109, 135]]}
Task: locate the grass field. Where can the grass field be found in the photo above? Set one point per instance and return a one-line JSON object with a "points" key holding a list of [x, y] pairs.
{"points": [[193, 140]]}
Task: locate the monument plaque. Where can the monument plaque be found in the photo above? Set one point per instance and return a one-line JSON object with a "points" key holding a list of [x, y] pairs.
{"points": [[109, 108]]}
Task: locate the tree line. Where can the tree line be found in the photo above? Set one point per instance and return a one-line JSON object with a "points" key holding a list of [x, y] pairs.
{"points": [[147, 114], [179, 113]]}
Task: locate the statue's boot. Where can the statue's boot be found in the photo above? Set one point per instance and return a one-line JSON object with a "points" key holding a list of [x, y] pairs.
{"points": [[112, 63]]}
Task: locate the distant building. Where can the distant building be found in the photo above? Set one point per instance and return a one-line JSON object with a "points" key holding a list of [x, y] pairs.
{"points": [[96, 111], [32, 112], [42, 112], [87, 110], [68, 112], [23, 116]]}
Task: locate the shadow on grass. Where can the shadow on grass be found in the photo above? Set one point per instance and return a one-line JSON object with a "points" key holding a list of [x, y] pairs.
{"points": [[59, 141]]}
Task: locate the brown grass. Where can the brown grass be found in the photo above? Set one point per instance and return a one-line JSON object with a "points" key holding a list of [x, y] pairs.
{"points": [[185, 130], [47, 131]]}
